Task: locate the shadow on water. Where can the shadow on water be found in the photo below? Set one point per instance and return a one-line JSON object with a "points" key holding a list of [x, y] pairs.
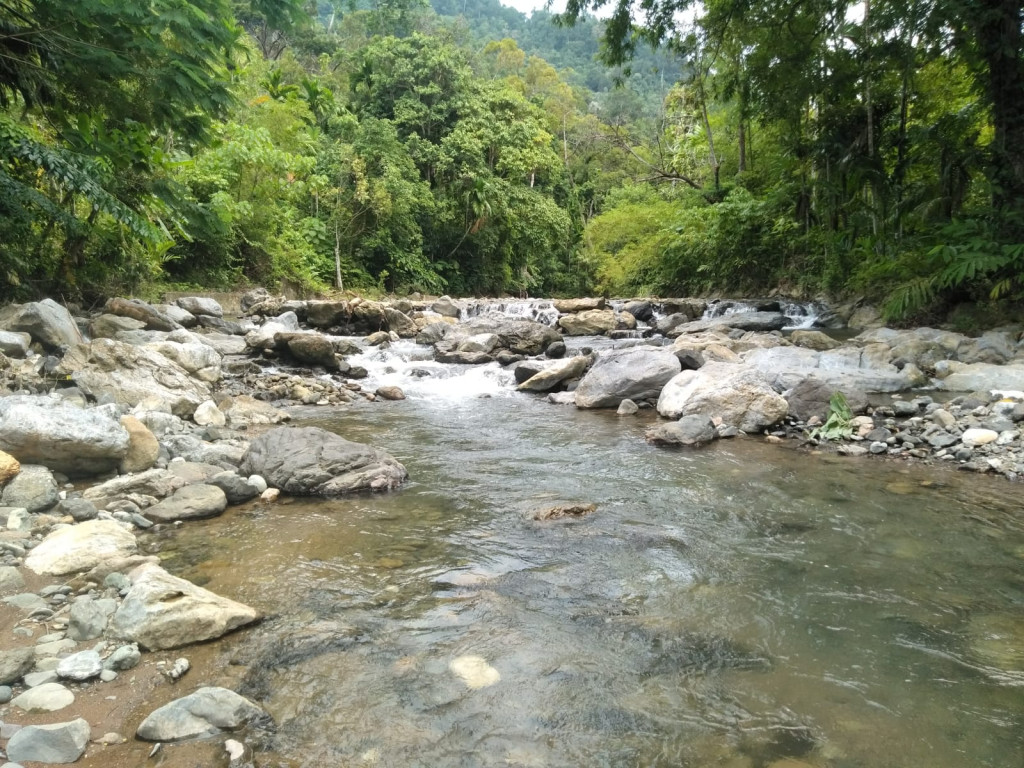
{"points": [[745, 606]]}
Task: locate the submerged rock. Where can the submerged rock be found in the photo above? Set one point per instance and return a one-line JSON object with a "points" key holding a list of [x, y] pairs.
{"points": [[162, 611], [563, 510], [474, 671], [309, 461], [207, 712], [694, 430]]}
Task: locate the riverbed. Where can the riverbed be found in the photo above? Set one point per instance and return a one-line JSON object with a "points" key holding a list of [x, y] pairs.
{"points": [[745, 605]]}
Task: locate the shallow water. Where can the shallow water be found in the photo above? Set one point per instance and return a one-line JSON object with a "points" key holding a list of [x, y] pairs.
{"points": [[744, 606]]}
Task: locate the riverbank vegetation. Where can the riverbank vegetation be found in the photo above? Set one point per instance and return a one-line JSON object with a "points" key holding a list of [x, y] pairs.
{"points": [[809, 146]]}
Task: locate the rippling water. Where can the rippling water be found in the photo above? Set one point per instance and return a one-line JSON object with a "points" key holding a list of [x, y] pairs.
{"points": [[742, 606]]}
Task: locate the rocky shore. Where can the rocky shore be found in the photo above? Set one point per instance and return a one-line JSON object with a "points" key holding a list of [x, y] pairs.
{"points": [[118, 425]]}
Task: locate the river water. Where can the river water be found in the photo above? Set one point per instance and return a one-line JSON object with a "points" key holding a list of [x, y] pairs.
{"points": [[743, 606]]}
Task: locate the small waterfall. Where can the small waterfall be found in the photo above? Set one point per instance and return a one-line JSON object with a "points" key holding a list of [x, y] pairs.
{"points": [[412, 367], [539, 310], [799, 314]]}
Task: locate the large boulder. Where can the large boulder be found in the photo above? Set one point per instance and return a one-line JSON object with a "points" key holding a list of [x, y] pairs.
{"points": [[14, 663], [9, 467], [109, 326], [741, 396], [75, 441], [400, 323], [129, 375], [982, 377], [637, 373], [552, 375], [524, 337], [143, 448], [865, 368], [201, 305], [308, 349], [200, 360], [45, 321], [80, 547], [264, 337], [813, 396], [590, 322], [139, 310], [309, 461], [207, 712], [162, 611], [59, 743]]}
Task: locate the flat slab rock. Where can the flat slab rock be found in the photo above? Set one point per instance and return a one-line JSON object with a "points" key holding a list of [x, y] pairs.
{"points": [[81, 547], [308, 461], [162, 611], [207, 712]]}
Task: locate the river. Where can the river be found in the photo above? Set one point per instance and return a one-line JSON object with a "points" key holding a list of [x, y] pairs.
{"points": [[744, 606]]}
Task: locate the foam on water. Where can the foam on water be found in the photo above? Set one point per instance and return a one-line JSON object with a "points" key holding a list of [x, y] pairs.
{"points": [[412, 367]]}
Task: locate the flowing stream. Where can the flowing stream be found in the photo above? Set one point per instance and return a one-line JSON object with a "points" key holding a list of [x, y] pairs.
{"points": [[742, 606]]}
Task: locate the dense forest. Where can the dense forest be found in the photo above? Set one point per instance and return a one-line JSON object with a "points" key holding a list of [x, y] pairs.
{"points": [[805, 146]]}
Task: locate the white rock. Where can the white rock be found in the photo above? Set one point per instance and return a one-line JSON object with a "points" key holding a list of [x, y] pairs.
{"points": [[474, 671], [48, 697], [81, 547], [972, 438], [208, 414]]}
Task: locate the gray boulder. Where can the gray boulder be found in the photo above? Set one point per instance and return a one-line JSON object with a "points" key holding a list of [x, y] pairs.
{"points": [[54, 744], [579, 305], [309, 461], [200, 305], [237, 489], [553, 375], [207, 712], [739, 395], [812, 396], [156, 483], [162, 611], [109, 326], [14, 344], [199, 360], [33, 488], [308, 349], [14, 663], [11, 580], [141, 311], [981, 377], [400, 323], [45, 321], [130, 375], [75, 441], [524, 337], [88, 619], [743, 321], [189, 503], [637, 373], [692, 431]]}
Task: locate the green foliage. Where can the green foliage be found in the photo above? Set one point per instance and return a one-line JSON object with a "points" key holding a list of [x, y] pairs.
{"points": [[838, 424]]}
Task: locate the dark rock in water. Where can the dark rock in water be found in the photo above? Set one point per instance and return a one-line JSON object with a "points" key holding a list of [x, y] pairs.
{"points": [[527, 370], [463, 358], [508, 358], [236, 488], [563, 510], [777, 742], [555, 350], [207, 712], [690, 359], [698, 653], [693, 430], [309, 461], [641, 310]]}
